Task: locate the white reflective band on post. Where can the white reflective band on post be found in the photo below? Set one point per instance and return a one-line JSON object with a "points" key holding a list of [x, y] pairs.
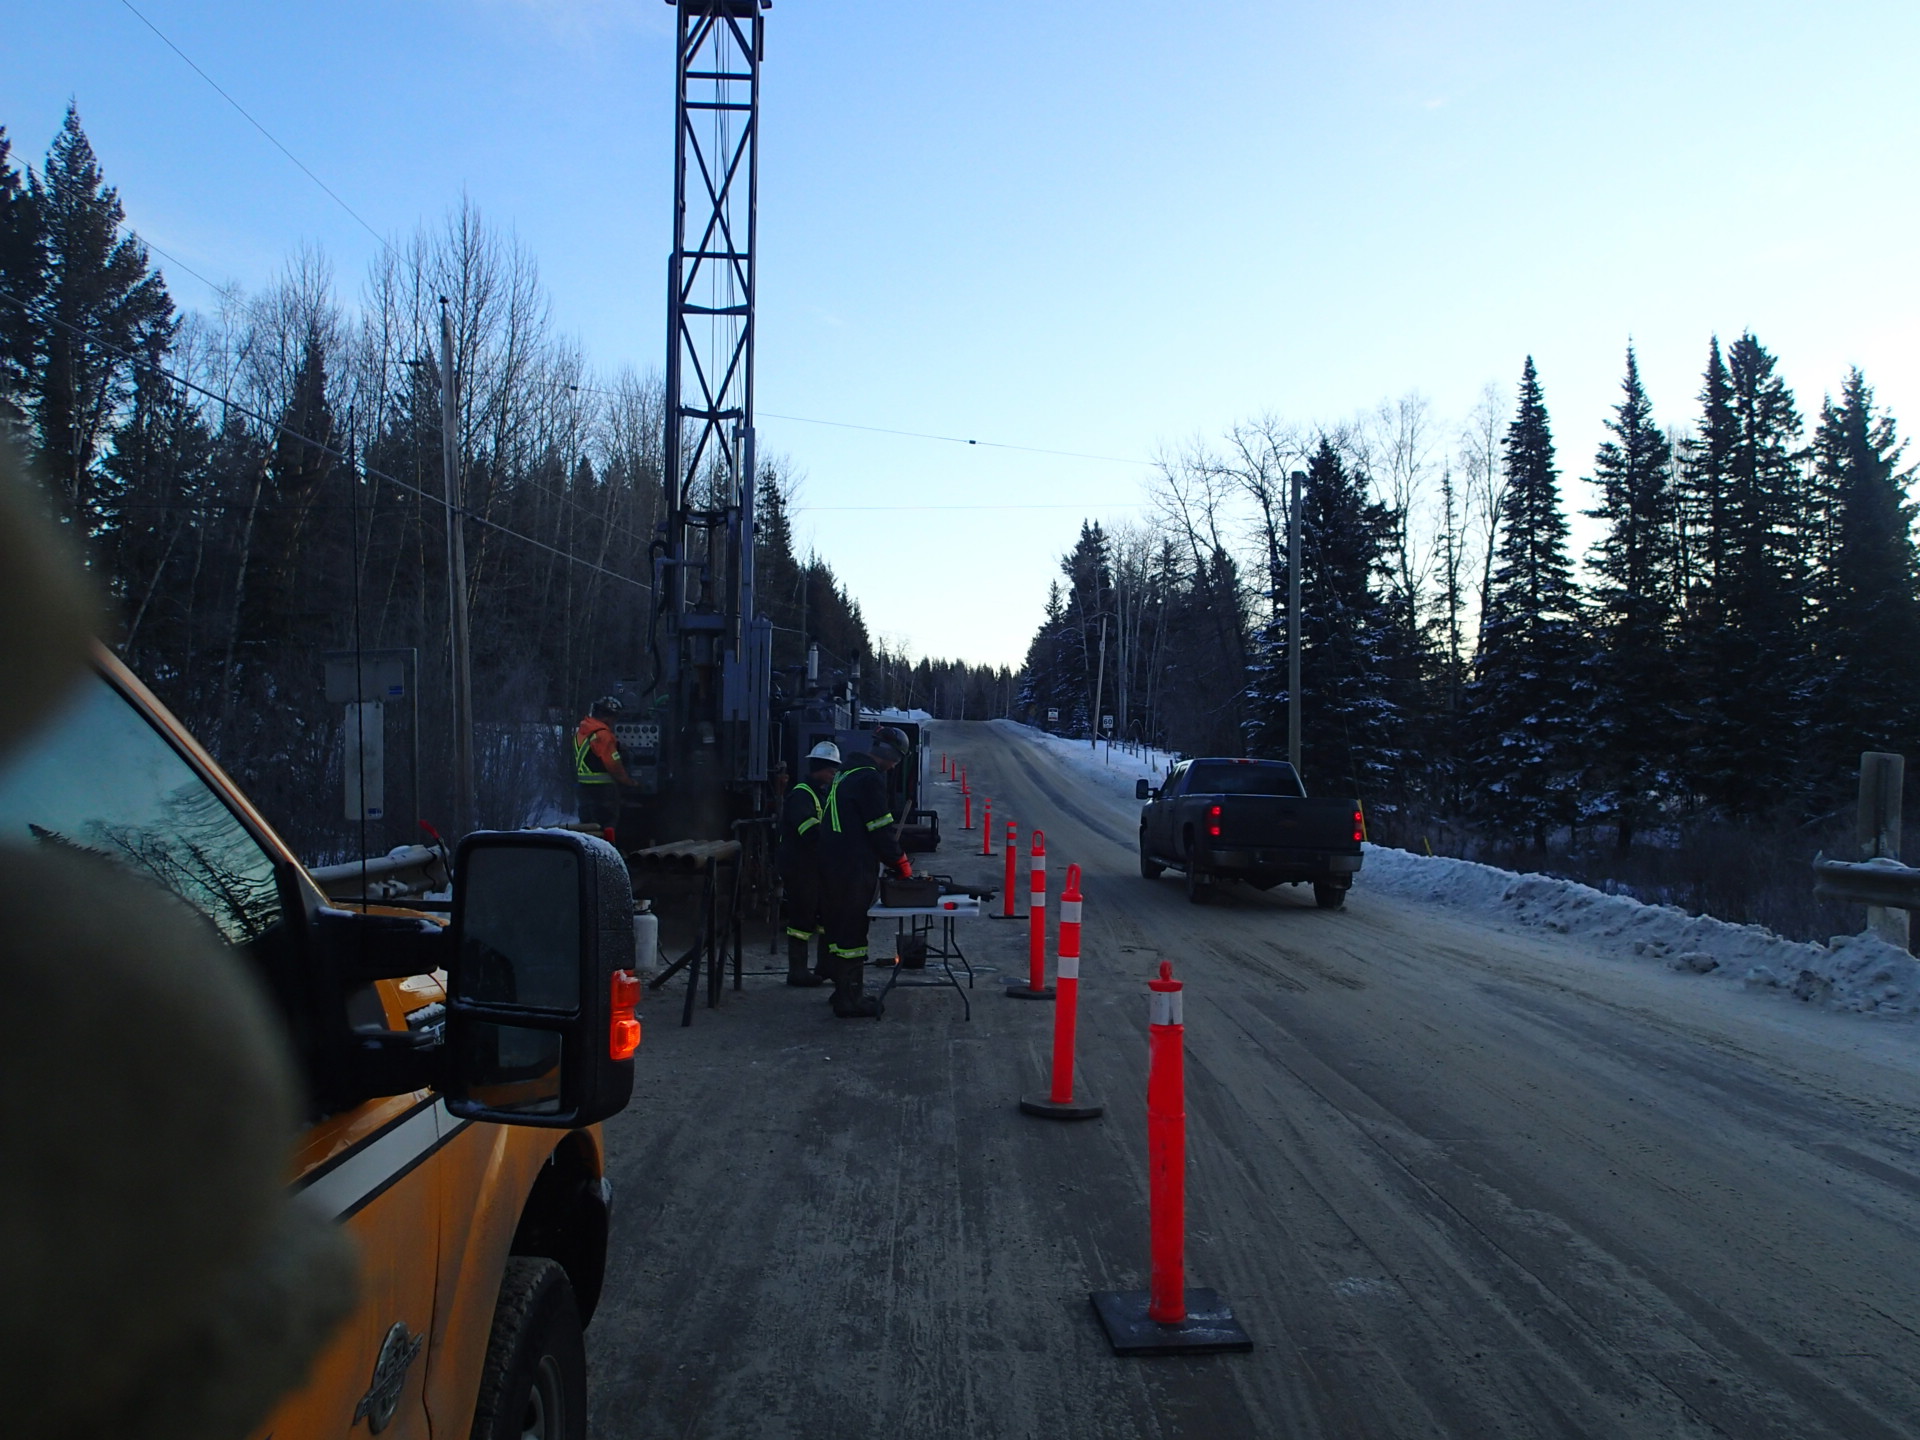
{"points": [[1070, 912], [1037, 899], [1039, 862], [1165, 1007], [1067, 968]]}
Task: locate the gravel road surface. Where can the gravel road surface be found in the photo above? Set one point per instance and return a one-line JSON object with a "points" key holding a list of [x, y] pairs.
{"points": [[1454, 1181]]}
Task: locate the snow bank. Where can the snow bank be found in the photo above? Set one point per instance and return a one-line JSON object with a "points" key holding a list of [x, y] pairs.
{"points": [[1852, 972]]}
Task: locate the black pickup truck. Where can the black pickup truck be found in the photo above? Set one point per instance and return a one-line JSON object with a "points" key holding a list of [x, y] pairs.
{"points": [[1250, 820]]}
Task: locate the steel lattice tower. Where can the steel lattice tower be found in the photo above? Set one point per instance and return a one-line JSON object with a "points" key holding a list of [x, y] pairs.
{"points": [[715, 655]]}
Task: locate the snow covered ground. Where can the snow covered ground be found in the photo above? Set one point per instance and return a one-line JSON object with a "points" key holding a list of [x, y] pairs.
{"points": [[1850, 973]]}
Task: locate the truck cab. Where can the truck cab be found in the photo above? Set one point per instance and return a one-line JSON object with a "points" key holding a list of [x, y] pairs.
{"points": [[455, 1068]]}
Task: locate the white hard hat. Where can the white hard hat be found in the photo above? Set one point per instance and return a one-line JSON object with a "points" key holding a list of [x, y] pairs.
{"points": [[826, 750]]}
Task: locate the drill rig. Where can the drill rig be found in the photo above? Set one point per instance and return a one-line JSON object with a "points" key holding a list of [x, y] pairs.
{"points": [[712, 653], [704, 753]]}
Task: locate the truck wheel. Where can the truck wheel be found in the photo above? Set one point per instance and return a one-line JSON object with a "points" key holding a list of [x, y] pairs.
{"points": [[534, 1386], [1329, 897], [1197, 888], [1149, 869]]}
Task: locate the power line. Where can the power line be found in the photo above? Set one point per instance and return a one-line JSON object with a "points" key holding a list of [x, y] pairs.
{"points": [[1122, 505], [256, 124], [909, 434], [175, 260], [958, 439], [325, 449], [385, 244]]}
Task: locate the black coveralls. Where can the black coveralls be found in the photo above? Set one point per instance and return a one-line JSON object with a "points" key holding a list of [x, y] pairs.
{"points": [[799, 861], [856, 838]]}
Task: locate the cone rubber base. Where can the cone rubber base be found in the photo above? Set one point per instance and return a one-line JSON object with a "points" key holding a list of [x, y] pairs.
{"points": [[1208, 1329], [1006, 917], [1027, 992], [1043, 1106]]}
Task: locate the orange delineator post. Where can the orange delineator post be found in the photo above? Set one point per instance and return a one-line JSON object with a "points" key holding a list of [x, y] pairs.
{"points": [[1036, 987], [1013, 873], [1167, 1318], [966, 799], [1167, 1150], [1058, 1103], [986, 828]]}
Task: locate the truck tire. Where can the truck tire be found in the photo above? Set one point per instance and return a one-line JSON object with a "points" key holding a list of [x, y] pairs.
{"points": [[1197, 887], [534, 1385], [1329, 897], [1150, 869]]}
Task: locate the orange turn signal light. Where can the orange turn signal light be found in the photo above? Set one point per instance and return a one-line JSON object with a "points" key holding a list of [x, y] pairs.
{"points": [[623, 1031]]}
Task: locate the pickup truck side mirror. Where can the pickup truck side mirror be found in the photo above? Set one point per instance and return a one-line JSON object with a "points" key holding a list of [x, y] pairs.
{"points": [[1142, 790], [541, 1027]]}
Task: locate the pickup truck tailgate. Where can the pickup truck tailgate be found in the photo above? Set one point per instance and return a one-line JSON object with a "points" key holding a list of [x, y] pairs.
{"points": [[1281, 822]]}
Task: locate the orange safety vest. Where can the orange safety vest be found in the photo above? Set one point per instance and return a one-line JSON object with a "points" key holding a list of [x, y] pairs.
{"points": [[590, 750]]}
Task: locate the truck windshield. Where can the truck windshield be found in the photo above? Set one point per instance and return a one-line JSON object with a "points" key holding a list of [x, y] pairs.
{"points": [[102, 781], [1253, 777]]}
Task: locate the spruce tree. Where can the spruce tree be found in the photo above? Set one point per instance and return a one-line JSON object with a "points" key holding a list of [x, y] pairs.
{"points": [[1525, 703], [1635, 725], [101, 305], [158, 471], [22, 277], [1867, 691], [1351, 738], [1747, 671]]}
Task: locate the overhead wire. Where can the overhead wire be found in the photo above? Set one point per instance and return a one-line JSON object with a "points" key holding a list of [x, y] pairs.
{"points": [[722, 136], [245, 114]]}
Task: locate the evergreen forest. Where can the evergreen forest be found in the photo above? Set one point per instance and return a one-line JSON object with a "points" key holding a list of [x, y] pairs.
{"points": [[261, 485], [1678, 712]]}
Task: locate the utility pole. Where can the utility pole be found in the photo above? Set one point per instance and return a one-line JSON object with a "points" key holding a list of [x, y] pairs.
{"points": [[463, 800], [1293, 624], [1099, 683]]}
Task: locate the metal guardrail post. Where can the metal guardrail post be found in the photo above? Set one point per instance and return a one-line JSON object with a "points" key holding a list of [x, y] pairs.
{"points": [[1882, 781]]}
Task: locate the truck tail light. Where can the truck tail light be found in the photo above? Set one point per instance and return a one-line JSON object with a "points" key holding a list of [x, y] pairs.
{"points": [[1213, 821], [623, 1031], [1359, 827]]}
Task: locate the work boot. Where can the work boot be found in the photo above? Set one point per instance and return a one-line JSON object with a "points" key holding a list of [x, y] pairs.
{"points": [[797, 972], [850, 998]]}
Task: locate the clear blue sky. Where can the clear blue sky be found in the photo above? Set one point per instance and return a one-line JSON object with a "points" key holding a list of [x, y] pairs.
{"points": [[1090, 227]]}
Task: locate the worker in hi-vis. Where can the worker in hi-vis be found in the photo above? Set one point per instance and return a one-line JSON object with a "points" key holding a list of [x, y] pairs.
{"points": [[598, 771], [801, 815], [857, 837]]}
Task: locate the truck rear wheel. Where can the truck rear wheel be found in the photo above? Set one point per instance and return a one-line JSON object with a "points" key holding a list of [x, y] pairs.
{"points": [[1149, 869], [1329, 897], [534, 1386]]}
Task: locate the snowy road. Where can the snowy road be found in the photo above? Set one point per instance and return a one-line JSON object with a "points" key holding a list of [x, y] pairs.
{"points": [[1455, 1180]]}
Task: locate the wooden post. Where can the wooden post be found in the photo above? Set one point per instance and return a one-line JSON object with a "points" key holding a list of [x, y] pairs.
{"points": [[1882, 780]]}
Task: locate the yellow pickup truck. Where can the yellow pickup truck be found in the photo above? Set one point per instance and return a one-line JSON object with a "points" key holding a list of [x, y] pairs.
{"points": [[455, 1069]]}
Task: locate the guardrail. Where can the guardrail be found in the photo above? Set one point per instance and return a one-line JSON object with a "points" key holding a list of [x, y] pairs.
{"points": [[1886, 883], [1889, 890]]}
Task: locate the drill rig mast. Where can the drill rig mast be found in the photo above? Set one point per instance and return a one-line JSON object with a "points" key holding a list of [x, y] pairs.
{"points": [[713, 652]]}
